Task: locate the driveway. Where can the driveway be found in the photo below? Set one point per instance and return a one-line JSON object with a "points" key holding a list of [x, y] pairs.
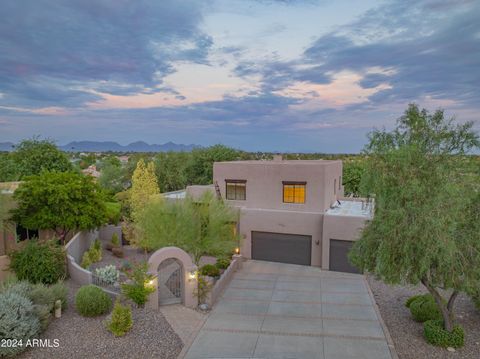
{"points": [[276, 310]]}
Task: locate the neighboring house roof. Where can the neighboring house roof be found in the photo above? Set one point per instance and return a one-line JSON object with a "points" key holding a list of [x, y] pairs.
{"points": [[9, 187]]}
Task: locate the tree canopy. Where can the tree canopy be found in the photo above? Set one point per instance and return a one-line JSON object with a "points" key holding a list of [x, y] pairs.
{"points": [[200, 227], [61, 201], [33, 156], [418, 233]]}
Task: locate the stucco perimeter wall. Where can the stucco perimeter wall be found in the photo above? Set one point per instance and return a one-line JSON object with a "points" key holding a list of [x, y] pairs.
{"points": [[289, 222], [224, 280], [105, 233], [4, 263], [345, 228], [75, 249]]}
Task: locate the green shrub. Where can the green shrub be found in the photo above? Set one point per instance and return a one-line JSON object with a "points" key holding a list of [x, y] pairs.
{"points": [[139, 289], [222, 263], [93, 254], [44, 314], [21, 288], [121, 320], [115, 240], [42, 295], [86, 261], [97, 245], [210, 270], [114, 212], [412, 299], [425, 308], [18, 321], [39, 262], [60, 292], [91, 301], [436, 335]]}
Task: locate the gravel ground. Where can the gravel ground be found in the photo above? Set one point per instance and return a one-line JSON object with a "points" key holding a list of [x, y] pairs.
{"points": [[150, 337], [408, 334], [131, 254]]}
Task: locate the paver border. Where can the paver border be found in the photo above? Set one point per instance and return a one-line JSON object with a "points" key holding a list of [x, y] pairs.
{"points": [[390, 343]]}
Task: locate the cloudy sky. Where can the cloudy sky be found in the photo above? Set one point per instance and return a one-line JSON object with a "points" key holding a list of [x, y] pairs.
{"points": [[253, 74]]}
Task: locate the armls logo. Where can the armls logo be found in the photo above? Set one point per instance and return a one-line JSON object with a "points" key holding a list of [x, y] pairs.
{"points": [[42, 343]]}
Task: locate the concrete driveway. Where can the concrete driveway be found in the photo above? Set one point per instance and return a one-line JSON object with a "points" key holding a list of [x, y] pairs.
{"points": [[276, 310]]}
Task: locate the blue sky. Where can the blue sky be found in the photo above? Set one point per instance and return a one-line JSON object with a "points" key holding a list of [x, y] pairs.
{"points": [[312, 75]]}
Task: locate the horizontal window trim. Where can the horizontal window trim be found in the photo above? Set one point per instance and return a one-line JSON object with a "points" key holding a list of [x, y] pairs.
{"points": [[294, 183], [235, 181]]}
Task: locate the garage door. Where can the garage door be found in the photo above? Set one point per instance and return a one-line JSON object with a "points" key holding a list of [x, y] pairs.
{"points": [[339, 256], [280, 247]]}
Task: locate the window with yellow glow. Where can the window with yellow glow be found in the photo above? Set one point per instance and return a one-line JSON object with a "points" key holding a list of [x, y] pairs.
{"points": [[294, 192]]}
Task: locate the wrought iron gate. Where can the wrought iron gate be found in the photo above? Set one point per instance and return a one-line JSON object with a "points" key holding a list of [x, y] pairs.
{"points": [[170, 282]]}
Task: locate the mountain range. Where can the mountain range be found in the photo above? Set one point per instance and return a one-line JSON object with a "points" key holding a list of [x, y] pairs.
{"points": [[96, 146]]}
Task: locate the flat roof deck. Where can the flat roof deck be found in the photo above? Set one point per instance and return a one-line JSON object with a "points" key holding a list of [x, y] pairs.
{"points": [[175, 194], [352, 208]]}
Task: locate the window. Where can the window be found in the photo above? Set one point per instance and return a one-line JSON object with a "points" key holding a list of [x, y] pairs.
{"points": [[236, 190], [335, 186], [294, 192]]}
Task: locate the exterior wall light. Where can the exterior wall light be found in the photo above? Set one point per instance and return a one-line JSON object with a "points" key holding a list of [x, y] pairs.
{"points": [[192, 275], [237, 250], [151, 282]]}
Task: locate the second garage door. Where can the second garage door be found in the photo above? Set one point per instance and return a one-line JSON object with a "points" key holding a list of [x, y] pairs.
{"points": [[339, 256], [281, 247]]}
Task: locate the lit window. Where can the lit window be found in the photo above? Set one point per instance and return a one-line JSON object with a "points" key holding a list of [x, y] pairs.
{"points": [[294, 192], [236, 190]]}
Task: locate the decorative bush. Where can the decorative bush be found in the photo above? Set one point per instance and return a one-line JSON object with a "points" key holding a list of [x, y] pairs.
{"points": [[39, 262], [42, 295], [60, 292], [222, 263], [18, 321], [424, 308], [210, 270], [109, 274], [91, 301], [203, 288], [93, 255], [43, 313], [120, 321], [21, 288], [139, 288], [436, 335], [115, 240], [412, 299]]}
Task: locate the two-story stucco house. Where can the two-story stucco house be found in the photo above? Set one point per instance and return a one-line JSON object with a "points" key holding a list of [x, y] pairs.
{"points": [[291, 211]]}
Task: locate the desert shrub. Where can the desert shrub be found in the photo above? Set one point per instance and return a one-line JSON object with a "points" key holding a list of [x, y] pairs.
{"points": [[222, 263], [210, 270], [114, 213], [91, 301], [120, 321], [22, 287], [412, 299], [436, 335], [109, 274], [39, 262], [44, 314], [42, 295], [139, 287], [93, 254], [18, 321], [115, 240], [424, 308], [60, 292]]}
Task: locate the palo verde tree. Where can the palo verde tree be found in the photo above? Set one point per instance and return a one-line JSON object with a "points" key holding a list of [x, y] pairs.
{"points": [[60, 201], [202, 226], [418, 232], [144, 187]]}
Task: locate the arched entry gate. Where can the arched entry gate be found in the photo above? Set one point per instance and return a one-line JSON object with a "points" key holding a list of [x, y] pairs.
{"points": [[170, 282], [175, 278]]}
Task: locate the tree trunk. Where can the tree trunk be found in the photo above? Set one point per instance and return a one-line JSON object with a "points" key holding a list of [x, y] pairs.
{"points": [[445, 309]]}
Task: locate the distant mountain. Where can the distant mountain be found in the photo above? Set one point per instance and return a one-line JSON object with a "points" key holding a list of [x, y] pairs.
{"points": [[139, 146], [6, 146], [94, 146]]}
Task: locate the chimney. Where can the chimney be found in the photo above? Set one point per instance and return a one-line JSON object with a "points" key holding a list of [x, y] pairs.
{"points": [[277, 158]]}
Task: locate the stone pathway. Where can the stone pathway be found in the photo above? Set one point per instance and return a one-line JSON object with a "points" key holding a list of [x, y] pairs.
{"points": [[184, 321]]}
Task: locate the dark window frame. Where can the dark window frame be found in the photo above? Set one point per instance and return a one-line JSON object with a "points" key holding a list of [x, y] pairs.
{"points": [[236, 182], [294, 183]]}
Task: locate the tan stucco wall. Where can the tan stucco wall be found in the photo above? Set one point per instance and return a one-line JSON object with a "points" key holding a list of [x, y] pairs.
{"points": [[264, 188], [290, 222], [339, 227]]}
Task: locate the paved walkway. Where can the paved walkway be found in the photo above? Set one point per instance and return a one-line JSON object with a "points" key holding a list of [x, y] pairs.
{"points": [[274, 310], [184, 321]]}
